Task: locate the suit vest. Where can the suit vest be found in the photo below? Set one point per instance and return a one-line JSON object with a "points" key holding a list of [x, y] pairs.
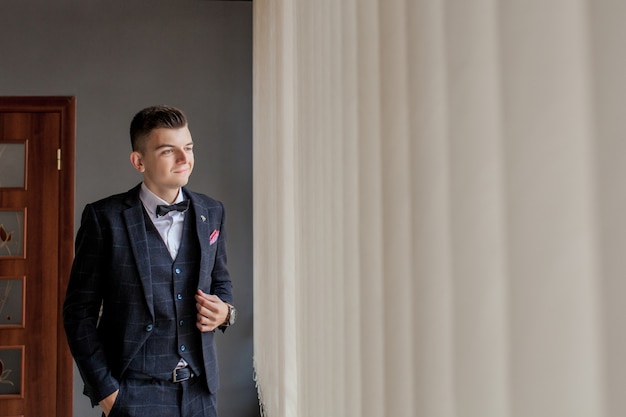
{"points": [[174, 283]]}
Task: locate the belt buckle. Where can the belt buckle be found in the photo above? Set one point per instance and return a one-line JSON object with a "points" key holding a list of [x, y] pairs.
{"points": [[175, 377]]}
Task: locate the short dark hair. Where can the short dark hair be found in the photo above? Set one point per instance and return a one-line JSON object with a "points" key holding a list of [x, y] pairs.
{"points": [[154, 117]]}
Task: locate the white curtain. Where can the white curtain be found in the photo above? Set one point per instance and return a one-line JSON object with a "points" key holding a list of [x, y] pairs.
{"points": [[439, 204]]}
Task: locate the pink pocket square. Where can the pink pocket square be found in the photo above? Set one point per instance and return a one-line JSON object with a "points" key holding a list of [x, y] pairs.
{"points": [[214, 235]]}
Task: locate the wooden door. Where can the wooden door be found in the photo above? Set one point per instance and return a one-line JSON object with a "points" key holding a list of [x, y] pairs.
{"points": [[36, 250]]}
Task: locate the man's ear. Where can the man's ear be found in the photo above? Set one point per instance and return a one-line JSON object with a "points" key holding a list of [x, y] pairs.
{"points": [[137, 161]]}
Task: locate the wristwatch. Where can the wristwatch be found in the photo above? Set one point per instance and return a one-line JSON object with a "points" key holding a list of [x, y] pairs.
{"points": [[231, 317]]}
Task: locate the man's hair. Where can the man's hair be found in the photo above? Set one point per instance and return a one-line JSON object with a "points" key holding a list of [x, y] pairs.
{"points": [[151, 118]]}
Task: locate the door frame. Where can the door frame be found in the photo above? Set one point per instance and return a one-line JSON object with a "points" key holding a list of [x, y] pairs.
{"points": [[66, 107]]}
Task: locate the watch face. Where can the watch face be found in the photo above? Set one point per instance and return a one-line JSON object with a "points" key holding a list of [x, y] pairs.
{"points": [[233, 316]]}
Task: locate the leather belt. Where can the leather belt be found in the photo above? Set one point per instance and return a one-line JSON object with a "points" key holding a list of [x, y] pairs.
{"points": [[182, 374], [178, 375]]}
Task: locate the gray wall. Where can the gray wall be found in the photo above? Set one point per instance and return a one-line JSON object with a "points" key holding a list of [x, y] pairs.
{"points": [[117, 56]]}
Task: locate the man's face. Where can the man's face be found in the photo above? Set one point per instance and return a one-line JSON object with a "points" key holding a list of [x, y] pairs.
{"points": [[166, 161]]}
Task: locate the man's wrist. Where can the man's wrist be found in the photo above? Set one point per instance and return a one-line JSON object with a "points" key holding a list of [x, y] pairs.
{"points": [[231, 316], [107, 403]]}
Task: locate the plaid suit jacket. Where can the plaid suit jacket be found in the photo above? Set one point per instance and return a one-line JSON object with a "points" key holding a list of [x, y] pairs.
{"points": [[108, 306]]}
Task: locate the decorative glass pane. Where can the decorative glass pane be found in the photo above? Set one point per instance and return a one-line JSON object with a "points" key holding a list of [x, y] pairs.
{"points": [[11, 302], [11, 233], [12, 165], [11, 368]]}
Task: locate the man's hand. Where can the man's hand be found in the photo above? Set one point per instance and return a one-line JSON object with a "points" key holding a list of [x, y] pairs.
{"points": [[108, 402], [212, 311]]}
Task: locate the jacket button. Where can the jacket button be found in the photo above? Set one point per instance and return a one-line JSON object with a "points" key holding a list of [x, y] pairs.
{"points": [[179, 296], [177, 270], [149, 328], [183, 348]]}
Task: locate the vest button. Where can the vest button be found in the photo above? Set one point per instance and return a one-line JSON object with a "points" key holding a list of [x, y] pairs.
{"points": [[179, 296], [149, 328], [177, 270], [183, 348], [181, 323]]}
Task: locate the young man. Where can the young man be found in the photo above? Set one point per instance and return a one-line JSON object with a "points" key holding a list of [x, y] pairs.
{"points": [[149, 284]]}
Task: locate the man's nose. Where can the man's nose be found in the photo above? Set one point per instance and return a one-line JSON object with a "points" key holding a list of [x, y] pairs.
{"points": [[181, 156]]}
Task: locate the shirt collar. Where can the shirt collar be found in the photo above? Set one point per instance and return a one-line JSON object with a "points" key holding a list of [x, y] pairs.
{"points": [[151, 201]]}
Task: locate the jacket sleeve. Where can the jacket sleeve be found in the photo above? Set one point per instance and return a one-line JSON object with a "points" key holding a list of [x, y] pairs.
{"points": [[82, 306], [221, 284]]}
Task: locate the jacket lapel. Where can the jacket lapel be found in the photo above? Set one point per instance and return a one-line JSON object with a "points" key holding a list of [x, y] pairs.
{"points": [[202, 229], [135, 225]]}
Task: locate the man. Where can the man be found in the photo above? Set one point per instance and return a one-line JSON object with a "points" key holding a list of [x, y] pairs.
{"points": [[149, 284]]}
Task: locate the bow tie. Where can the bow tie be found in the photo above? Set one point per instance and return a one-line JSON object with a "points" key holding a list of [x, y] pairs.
{"points": [[162, 210]]}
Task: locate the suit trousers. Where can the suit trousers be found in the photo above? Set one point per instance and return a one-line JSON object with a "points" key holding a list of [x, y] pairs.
{"points": [[159, 398]]}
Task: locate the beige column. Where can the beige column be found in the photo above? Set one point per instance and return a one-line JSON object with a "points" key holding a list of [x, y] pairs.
{"points": [[554, 272], [477, 208], [425, 220], [432, 294]]}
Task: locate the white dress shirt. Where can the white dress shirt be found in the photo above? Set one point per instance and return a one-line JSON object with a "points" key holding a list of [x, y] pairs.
{"points": [[169, 226]]}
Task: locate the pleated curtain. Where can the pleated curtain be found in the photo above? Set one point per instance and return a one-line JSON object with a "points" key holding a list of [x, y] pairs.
{"points": [[439, 202]]}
